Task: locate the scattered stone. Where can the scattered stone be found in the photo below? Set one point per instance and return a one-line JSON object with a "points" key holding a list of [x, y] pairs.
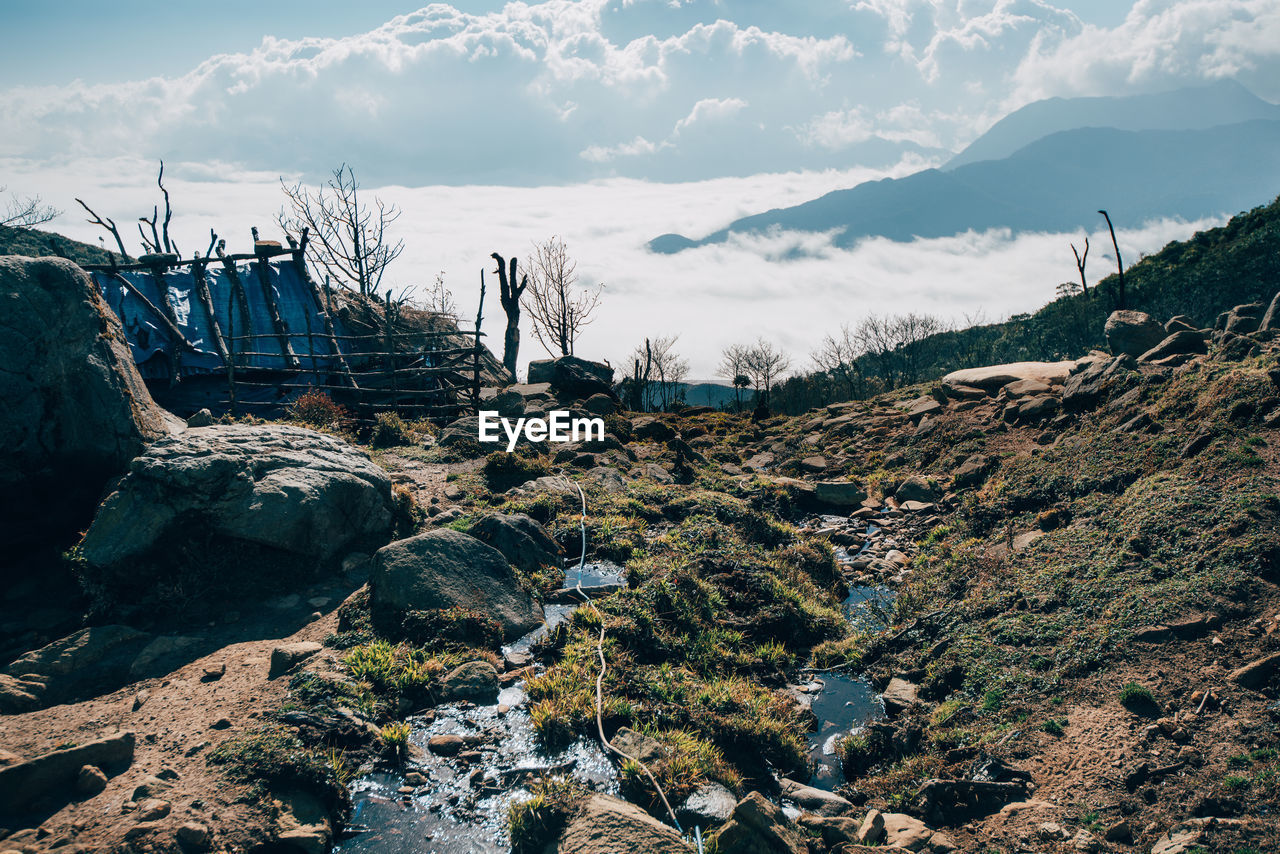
{"points": [[1182, 342], [840, 494], [1051, 831], [444, 568], [1257, 674], [90, 780], [1085, 841], [153, 809], [221, 723], [640, 746], [203, 418], [303, 823], [195, 835], [649, 428], [286, 657], [916, 488], [79, 665], [213, 672], [814, 465], [872, 830], [573, 376], [972, 472], [899, 696]]}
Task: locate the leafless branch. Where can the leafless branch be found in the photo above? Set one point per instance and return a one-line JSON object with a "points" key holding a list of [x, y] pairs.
{"points": [[26, 212], [109, 224], [558, 308]]}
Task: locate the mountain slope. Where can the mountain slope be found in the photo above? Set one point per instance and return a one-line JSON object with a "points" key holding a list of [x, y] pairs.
{"points": [[1191, 108], [1054, 184]]}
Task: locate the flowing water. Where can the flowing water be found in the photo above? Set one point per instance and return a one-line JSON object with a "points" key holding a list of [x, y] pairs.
{"points": [[843, 705], [462, 806]]}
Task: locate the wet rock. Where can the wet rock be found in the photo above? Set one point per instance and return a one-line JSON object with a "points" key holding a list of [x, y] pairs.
{"points": [[276, 491], [444, 568], [445, 745], [759, 827], [26, 782], [523, 542], [286, 657], [814, 800], [607, 825], [1132, 332], [75, 408], [476, 681], [711, 804]]}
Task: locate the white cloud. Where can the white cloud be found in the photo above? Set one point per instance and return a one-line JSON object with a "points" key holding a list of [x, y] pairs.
{"points": [[710, 109]]}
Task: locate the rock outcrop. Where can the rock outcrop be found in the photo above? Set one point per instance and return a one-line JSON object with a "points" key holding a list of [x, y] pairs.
{"points": [[75, 408], [523, 542], [277, 491], [572, 376], [443, 569], [86, 661], [1132, 332], [759, 827], [25, 783], [991, 379]]}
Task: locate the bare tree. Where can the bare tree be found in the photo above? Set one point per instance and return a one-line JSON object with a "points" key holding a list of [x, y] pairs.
{"points": [[509, 295], [558, 308], [765, 364], [26, 212], [1120, 301], [666, 370], [439, 299], [733, 367], [349, 238], [1080, 262], [838, 357]]}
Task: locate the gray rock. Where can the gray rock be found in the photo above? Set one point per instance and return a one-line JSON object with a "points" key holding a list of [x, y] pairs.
{"points": [[971, 472], [444, 568], [639, 746], [1271, 319], [1132, 332], [839, 493], [523, 542], [814, 800], [476, 681], [600, 404], [1086, 390], [652, 429], [286, 657], [573, 376], [1242, 320], [759, 826], [75, 408], [203, 418], [284, 490], [607, 825], [607, 478], [26, 782], [710, 804], [1184, 341], [916, 488]]}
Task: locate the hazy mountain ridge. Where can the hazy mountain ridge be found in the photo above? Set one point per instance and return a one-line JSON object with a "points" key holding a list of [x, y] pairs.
{"points": [[1054, 183]]}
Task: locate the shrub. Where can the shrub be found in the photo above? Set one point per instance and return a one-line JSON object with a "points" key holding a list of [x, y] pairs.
{"points": [[389, 431], [317, 409], [275, 758], [535, 822], [503, 471], [406, 515], [395, 741], [1053, 727], [1138, 699]]}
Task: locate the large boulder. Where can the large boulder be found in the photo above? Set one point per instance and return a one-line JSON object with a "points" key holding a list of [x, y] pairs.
{"points": [[253, 493], [1132, 332], [1181, 342], [572, 376], [990, 379], [75, 408], [1087, 389], [607, 825], [444, 568], [1271, 319], [523, 542]]}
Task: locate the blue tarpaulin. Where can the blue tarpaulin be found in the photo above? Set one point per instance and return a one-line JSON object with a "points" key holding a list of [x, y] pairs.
{"points": [[154, 349]]}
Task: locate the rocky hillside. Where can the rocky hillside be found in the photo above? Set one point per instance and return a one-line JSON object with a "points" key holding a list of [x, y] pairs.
{"points": [[1032, 606]]}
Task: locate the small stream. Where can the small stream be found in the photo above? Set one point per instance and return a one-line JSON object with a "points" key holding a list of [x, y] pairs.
{"points": [[843, 704], [460, 806]]}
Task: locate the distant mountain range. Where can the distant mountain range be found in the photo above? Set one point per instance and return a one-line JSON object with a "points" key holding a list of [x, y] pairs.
{"points": [[1057, 181]]}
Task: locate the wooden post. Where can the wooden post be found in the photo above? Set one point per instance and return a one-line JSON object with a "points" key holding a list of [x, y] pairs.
{"points": [[282, 331], [175, 355], [475, 369], [237, 299], [391, 350], [325, 308], [206, 302], [231, 354]]}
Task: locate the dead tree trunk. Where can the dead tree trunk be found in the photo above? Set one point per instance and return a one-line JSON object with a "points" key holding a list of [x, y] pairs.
{"points": [[1080, 262], [1120, 300], [509, 294]]}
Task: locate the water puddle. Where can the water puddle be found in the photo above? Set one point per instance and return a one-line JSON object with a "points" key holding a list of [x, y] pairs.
{"points": [[603, 573], [844, 705], [461, 806]]}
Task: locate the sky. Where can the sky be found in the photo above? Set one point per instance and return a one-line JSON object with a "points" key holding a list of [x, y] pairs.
{"points": [[606, 122]]}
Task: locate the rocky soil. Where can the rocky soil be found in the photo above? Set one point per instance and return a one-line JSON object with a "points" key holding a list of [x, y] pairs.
{"points": [[1060, 579]]}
